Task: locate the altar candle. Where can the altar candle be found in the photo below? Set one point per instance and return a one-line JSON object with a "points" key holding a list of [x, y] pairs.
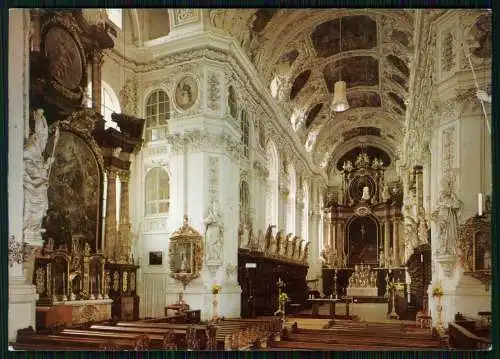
{"points": [[421, 257], [480, 204]]}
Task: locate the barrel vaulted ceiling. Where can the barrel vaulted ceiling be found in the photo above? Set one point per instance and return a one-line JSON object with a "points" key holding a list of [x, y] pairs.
{"points": [[300, 54]]}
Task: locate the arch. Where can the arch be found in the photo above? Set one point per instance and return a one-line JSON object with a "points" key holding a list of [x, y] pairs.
{"points": [[157, 192], [109, 103], [116, 17], [291, 205], [272, 184], [157, 115], [362, 240]]}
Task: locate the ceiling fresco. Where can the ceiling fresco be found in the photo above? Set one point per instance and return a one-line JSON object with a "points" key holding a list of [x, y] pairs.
{"points": [[303, 52], [364, 99], [355, 71]]}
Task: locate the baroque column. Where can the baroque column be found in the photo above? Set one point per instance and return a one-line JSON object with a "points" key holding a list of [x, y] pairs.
{"points": [[97, 58], [395, 243], [110, 236], [123, 252], [326, 230], [387, 239]]}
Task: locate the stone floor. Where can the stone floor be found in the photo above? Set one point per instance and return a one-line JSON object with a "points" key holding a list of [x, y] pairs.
{"points": [[366, 312]]}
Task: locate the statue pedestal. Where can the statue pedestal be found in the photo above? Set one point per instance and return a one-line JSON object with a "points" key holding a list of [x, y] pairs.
{"points": [[362, 292], [22, 306]]}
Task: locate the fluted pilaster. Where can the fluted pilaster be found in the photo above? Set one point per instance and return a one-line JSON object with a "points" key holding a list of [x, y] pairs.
{"points": [[110, 241]]}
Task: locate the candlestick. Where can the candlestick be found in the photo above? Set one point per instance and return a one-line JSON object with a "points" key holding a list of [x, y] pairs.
{"points": [[480, 204], [421, 258]]}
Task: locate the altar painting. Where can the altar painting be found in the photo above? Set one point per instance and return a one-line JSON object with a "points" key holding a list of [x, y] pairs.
{"points": [[362, 241], [73, 193]]}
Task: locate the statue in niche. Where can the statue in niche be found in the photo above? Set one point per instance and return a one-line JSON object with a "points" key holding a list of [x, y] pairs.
{"points": [[381, 259], [446, 217], [36, 173], [347, 166], [386, 195], [366, 194], [422, 231], [213, 232]]}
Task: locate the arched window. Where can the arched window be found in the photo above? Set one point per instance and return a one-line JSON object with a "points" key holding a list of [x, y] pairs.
{"points": [[245, 133], [157, 191], [305, 213], [109, 104], [291, 213], [244, 202], [272, 185], [116, 17], [157, 116]]}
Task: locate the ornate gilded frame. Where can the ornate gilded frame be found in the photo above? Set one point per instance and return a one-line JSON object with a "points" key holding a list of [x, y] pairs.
{"points": [[187, 242], [467, 236]]}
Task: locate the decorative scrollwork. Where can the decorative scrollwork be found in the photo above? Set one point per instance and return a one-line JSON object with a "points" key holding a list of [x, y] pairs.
{"points": [[15, 251], [474, 242]]}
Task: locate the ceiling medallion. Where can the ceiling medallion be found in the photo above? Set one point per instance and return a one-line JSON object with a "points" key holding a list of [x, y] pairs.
{"points": [[362, 211]]}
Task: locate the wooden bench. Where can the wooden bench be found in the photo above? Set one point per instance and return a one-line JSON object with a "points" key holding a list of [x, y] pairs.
{"points": [[461, 338], [66, 342], [136, 341]]}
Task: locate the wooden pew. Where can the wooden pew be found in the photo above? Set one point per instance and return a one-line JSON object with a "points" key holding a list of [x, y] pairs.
{"points": [[136, 341], [37, 341], [461, 338]]}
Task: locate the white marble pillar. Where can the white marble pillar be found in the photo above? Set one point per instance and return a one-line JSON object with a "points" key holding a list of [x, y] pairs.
{"points": [[314, 250], [326, 230], [282, 211], [22, 294], [333, 232]]}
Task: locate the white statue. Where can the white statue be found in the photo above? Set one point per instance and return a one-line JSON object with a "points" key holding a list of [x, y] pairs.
{"points": [[36, 173], [366, 194], [446, 217], [483, 96], [213, 232], [184, 264], [487, 260]]}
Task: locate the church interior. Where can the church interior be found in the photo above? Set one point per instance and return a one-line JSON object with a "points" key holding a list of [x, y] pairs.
{"points": [[249, 179]]}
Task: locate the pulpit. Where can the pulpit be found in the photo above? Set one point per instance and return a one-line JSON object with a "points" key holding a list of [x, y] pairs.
{"points": [[122, 288]]}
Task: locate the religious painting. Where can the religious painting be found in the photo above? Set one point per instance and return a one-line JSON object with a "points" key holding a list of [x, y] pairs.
{"points": [[398, 100], [183, 257], [186, 93], [299, 83], [402, 37], [289, 57], [65, 64], [363, 241], [399, 64], [355, 71], [364, 99], [482, 251], [73, 193], [185, 253], [311, 115], [326, 38], [156, 258], [358, 32], [262, 18], [358, 186]]}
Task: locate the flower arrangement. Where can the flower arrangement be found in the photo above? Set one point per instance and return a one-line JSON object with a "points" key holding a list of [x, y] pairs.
{"points": [[283, 298], [216, 288], [437, 291]]}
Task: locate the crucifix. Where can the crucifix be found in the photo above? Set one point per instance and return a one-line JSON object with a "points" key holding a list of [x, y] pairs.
{"points": [[363, 232]]}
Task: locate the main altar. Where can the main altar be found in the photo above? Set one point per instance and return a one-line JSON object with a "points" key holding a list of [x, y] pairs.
{"points": [[363, 282]]}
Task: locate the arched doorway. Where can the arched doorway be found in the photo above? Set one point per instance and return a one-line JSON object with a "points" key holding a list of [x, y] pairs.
{"points": [[362, 241]]}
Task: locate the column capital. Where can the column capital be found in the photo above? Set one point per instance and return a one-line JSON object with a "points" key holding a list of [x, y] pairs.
{"points": [[112, 172]]}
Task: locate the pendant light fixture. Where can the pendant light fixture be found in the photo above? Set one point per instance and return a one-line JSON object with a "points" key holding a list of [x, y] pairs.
{"points": [[339, 102]]}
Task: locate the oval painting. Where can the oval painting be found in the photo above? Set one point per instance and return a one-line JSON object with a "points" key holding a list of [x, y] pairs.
{"points": [[186, 93]]}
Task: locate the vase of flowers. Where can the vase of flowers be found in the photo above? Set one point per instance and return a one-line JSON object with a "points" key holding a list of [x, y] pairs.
{"points": [[282, 299], [216, 288]]}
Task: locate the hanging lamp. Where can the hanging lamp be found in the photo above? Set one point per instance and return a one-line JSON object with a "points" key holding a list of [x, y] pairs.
{"points": [[339, 102]]}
